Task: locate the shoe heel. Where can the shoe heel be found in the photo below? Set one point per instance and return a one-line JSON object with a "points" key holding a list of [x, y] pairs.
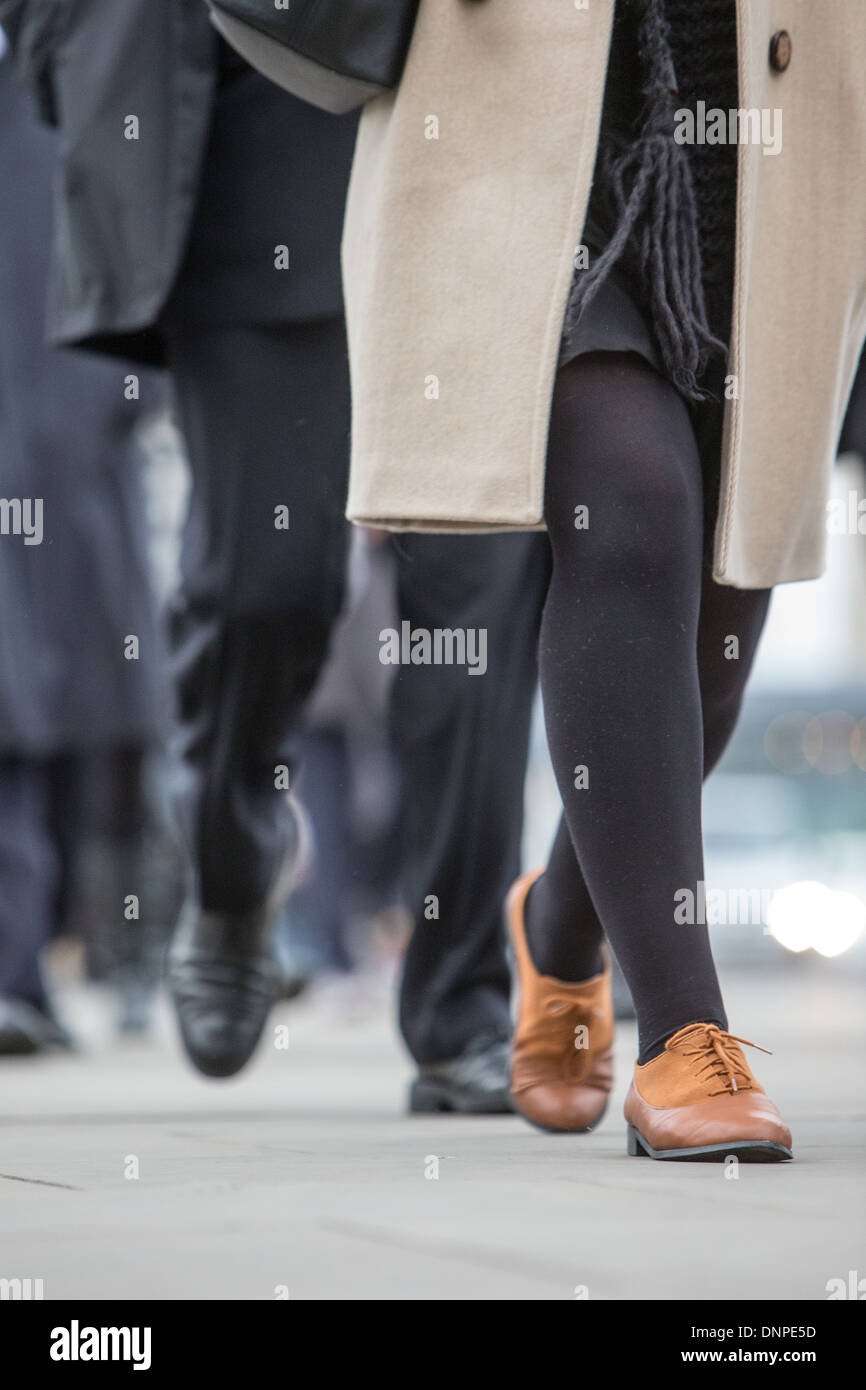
{"points": [[633, 1144]]}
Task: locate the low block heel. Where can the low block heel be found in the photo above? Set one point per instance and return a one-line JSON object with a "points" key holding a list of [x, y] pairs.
{"points": [[633, 1144]]}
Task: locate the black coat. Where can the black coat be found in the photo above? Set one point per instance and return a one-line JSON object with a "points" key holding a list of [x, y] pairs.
{"points": [[68, 603], [187, 216]]}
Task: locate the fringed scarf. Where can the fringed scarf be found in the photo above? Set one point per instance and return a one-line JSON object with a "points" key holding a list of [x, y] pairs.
{"points": [[650, 181]]}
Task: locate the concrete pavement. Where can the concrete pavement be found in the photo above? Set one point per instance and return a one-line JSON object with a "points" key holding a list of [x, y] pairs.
{"points": [[303, 1177]]}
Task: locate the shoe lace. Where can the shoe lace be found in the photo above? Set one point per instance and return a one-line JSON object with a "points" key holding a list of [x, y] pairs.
{"points": [[710, 1047]]}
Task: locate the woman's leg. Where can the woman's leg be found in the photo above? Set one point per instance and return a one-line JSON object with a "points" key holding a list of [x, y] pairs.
{"points": [[562, 926], [723, 671], [619, 673]]}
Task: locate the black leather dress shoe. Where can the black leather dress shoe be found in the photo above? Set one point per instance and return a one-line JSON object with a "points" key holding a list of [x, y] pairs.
{"points": [[223, 971], [475, 1083], [223, 978], [25, 1029]]}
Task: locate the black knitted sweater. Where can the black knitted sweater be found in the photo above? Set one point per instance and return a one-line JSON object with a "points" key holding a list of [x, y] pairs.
{"points": [[666, 212]]}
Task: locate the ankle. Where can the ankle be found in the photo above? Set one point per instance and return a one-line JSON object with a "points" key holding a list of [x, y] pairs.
{"points": [[655, 1048], [559, 945]]}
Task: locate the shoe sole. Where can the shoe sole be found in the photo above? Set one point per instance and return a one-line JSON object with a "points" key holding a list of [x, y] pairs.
{"points": [[747, 1150], [426, 1098]]}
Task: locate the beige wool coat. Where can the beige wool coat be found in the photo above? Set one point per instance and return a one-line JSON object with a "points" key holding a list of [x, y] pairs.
{"points": [[465, 208]]}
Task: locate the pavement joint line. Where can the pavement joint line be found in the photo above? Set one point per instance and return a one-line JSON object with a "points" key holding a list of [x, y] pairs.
{"points": [[143, 1117], [487, 1257], [40, 1182]]}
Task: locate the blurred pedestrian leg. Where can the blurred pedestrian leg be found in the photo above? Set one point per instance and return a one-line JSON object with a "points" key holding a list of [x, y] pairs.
{"points": [[265, 417], [81, 665], [349, 786], [462, 741], [206, 236], [29, 883]]}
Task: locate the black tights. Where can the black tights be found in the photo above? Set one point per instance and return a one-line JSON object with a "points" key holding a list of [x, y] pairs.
{"points": [[642, 684]]}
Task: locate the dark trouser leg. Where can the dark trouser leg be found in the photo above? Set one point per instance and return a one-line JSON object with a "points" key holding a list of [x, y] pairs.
{"points": [[265, 414], [462, 742], [114, 843], [29, 873], [318, 907], [619, 672]]}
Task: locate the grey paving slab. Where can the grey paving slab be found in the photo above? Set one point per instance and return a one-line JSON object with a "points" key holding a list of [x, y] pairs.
{"points": [[305, 1174]]}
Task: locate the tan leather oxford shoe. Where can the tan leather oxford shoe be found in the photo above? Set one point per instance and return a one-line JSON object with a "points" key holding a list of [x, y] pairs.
{"points": [[699, 1100], [562, 1054]]}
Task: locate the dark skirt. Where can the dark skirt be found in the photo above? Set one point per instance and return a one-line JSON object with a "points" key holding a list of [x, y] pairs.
{"points": [[611, 322]]}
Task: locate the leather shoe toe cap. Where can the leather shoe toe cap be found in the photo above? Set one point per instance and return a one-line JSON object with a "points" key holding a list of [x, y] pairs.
{"points": [[559, 1106]]}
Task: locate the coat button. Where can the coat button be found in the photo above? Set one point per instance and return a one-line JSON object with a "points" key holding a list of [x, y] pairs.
{"points": [[780, 50]]}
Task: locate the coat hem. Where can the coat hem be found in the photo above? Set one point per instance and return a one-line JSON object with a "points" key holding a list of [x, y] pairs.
{"points": [[442, 525]]}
